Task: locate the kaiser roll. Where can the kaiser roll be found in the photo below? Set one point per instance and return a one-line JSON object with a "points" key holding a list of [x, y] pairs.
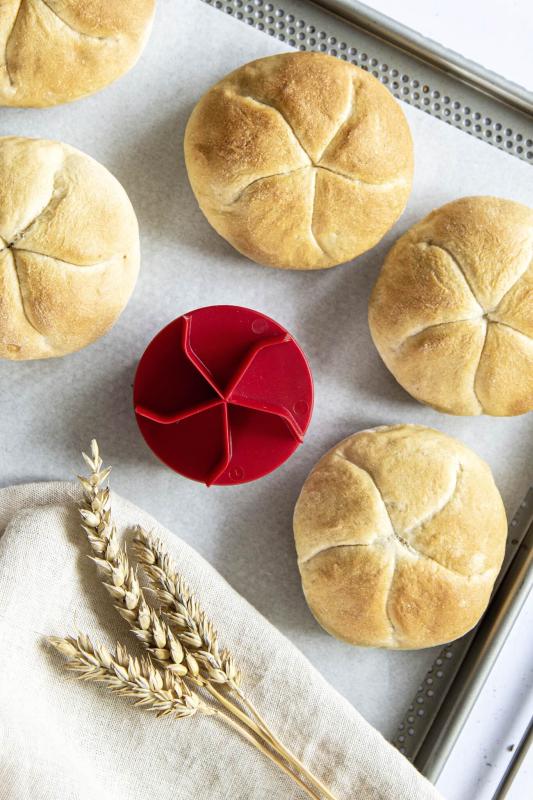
{"points": [[299, 160], [58, 50], [400, 533], [451, 313], [69, 249]]}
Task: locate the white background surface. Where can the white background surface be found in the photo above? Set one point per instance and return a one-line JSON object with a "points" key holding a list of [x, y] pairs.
{"points": [[50, 410], [496, 33]]}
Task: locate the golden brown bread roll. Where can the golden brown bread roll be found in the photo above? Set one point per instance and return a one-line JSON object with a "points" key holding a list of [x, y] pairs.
{"points": [[400, 533], [58, 50], [451, 313], [299, 160], [69, 249]]}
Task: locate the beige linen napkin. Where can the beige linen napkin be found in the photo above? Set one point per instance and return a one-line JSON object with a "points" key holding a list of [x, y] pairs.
{"points": [[61, 739]]}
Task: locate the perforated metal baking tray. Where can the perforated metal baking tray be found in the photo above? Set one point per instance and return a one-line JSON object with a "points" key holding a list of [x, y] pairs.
{"points": [[417, 71], [447, 86]]}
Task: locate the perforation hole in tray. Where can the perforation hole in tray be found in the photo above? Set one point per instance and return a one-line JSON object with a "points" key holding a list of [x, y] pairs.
{"points": [[425, 694], [271, 18]]}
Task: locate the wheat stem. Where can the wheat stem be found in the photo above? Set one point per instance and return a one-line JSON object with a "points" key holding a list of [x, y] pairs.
{"points": [[262, 749], [274, 742], [233, 709], [261, 729]]}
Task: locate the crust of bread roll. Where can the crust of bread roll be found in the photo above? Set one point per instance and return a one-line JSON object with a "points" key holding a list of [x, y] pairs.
{"points": [[69, 249], [400, 533], [58, 50], [451, 313], [300, 161]]}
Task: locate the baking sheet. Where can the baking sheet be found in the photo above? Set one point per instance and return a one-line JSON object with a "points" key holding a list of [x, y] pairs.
{"points": [[49, 410]]}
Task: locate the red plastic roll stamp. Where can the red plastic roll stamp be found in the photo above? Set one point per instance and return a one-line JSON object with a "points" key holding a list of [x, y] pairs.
{"points": [[223, 395]]}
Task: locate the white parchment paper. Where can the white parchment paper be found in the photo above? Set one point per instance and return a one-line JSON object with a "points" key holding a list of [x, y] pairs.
{"points": [[49, 410]]}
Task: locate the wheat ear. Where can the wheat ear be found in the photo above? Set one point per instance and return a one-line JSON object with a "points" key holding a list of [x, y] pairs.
{"points": [[195, 631], [158, 690], [120, 578], [191, 625]]}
